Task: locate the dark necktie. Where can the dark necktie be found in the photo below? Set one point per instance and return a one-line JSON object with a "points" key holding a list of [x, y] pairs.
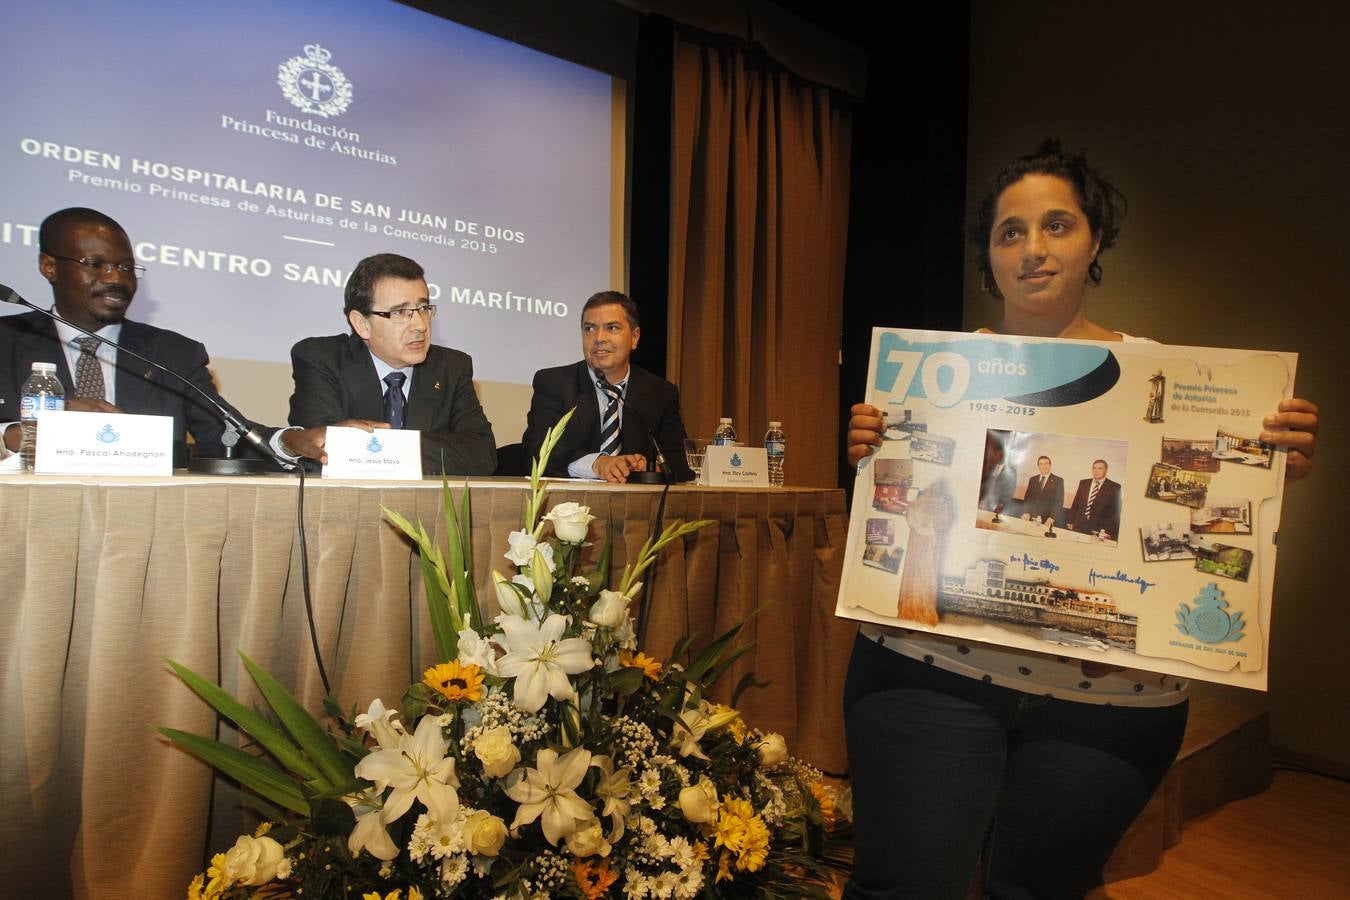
{"points": [[609, 423], [395, 409], [88, 371]]}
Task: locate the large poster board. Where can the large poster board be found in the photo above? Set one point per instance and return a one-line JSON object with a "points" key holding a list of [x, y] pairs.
{"points": [[1104, 501]]}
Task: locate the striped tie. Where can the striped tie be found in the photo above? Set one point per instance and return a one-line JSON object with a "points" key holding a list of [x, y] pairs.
{"points": [[88, 371], [609, 425], [1092, 498]]}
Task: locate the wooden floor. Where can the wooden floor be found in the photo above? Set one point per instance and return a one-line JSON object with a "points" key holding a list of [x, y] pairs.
{"points": [[1292, 841]]}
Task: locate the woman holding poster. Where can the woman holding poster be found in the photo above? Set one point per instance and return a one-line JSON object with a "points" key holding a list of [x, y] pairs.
{"points": [[960, 750]]}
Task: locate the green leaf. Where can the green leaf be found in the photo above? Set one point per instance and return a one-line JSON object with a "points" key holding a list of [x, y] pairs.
{"points": [[331, 817], [266, 780], [273, 740], [301, 725], [626, 680], [718, 669], [438, 608]]}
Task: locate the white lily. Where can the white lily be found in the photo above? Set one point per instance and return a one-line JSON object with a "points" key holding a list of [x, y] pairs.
{"points": [[614, 789], [369, 833], [539, 659], [510, 601], [548, 792], [418, 768], [380, 722], [541, 571], [693, 724]]}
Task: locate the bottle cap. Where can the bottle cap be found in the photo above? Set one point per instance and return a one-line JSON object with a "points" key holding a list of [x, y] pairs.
{"points": [[773, 425], [724, 421], [44, 368]]}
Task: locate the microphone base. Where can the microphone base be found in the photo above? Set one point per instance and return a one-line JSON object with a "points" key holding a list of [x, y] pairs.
{"points": [[646, 478], [211, 465]]}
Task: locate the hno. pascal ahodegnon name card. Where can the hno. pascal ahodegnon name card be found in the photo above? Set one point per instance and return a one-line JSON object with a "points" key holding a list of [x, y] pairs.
{"points": [[92, 443], [1106, 501], [395, 455]]}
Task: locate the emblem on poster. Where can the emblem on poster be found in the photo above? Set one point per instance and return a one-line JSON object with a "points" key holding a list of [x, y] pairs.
{"points": [[314, 85]]}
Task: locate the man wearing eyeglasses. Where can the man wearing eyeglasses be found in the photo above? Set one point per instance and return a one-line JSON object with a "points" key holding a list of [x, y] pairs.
{"points": [[386, 373], [86, 256]]}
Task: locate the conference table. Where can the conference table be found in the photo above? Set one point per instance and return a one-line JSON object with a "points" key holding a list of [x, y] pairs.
{"points": [[105, 578]]}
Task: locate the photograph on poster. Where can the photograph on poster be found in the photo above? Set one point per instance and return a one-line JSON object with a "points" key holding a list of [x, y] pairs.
{"points": [[881, 531], [894, 471], [933, 448], [1222, 559], [1041, 485], [885, 558], [1035, 604], [1246, 450], [1173, 485], [1193, 455], [1231, 515], [901, 424], [890, 498], [1166, 542]]}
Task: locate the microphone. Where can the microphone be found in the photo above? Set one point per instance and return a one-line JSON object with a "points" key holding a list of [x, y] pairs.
{"points": [[235, 425], [648, 477]]}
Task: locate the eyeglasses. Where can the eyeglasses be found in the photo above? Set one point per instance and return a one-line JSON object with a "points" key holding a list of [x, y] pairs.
{"points": [[99, 266], [405, 314]]}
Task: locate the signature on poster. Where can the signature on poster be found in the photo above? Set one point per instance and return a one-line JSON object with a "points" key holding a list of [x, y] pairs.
{"points": [[1094, 576]]}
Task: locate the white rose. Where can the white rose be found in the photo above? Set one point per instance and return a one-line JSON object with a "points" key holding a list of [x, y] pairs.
{"points": [[610, 609], [496, 751], [570, 521], [475, 650], [698, 802], [772, 750], [522, 547], [484, 833], [252, 860], [588, 840]]}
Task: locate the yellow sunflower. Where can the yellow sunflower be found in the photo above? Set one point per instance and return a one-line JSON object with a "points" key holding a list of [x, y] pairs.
{"points": [[650, 667], [455, 682]]}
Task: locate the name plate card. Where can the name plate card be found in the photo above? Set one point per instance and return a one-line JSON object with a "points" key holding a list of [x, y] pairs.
{"points": [[94, 443], [393, 455], [725, 466], [1106, 501]]}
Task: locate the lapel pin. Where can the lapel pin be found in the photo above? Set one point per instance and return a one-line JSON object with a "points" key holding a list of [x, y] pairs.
{"points": [[438, 386]]}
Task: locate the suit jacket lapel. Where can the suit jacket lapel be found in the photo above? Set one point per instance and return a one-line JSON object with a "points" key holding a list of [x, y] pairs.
{"points": [[133, 377], [428, 386], [585, 422], [358, 372]]}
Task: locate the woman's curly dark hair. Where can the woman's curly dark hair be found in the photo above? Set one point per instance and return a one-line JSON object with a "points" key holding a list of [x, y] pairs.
{"points": [[1101, 202]]}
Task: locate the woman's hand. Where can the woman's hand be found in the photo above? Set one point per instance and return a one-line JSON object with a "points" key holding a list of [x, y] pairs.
{"points": [[1293, 429], [865, 427]]}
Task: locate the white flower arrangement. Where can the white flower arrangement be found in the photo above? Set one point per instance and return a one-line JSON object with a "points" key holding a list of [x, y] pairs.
{"points": [[543, 755]]}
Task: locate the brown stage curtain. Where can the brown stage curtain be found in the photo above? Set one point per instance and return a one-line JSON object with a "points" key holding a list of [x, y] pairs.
{"points": [[759, 218]]}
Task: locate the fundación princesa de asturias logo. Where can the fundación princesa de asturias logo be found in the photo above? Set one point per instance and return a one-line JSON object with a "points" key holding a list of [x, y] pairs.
{"points": [[314, 85]]}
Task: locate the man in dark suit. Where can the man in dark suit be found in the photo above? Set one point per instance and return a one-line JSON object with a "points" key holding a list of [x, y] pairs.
{"points": [[1096, 505], [86, 257], [387, 373], [1044, 497], [607, 438]]}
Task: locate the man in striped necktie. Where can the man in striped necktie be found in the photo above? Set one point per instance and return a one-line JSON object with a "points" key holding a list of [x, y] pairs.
{"points": [[1096, 505], [616, 403]]}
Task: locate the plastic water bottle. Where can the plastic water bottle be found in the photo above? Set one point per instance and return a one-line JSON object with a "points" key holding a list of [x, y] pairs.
{"points": [[725, 435], [775, 445], [42, 391]]}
